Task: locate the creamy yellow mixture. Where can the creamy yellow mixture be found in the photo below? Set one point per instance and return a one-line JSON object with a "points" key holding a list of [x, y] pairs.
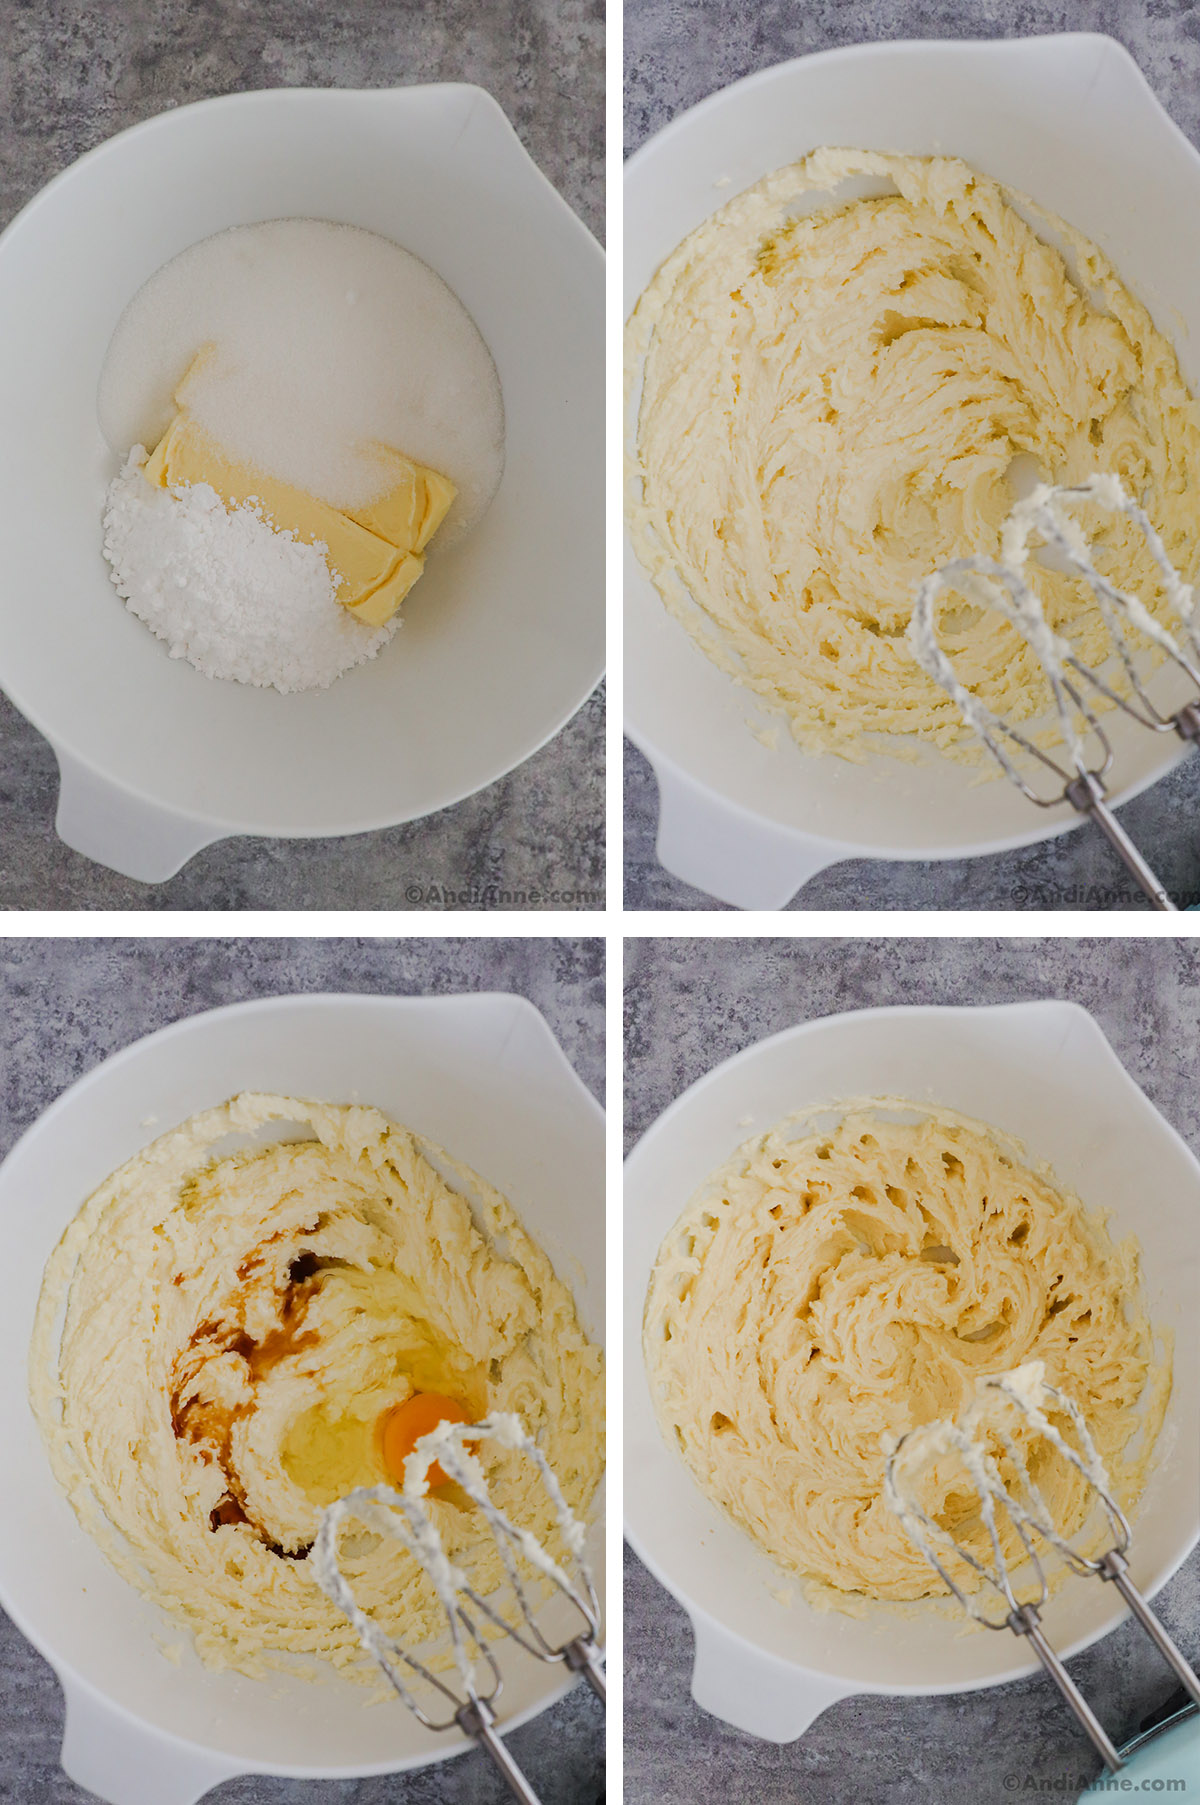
{"points": [[830, 407], [236, 1327], [827, 1290]]}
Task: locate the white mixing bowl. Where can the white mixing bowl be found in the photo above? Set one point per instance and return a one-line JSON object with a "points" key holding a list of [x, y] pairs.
{"points": [[480, 1075], [1067, 120], [1042, 1072], [502, 639]]}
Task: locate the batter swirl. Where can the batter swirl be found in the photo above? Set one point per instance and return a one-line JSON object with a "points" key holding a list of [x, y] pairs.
{"points": [[827, 1291], [221, 1335], [831, 406]]}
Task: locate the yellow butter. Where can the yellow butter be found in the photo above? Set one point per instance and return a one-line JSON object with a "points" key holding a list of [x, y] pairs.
{"points": [[413, 506], [375, 553]]}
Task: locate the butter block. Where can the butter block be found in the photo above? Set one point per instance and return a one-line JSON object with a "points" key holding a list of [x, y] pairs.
{"points": [[375, 553], [378, 608], [412, 507]]}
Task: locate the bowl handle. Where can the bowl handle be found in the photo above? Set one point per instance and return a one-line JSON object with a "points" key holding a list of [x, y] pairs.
{"points": [[734, 856], [753, 1691], [137, 838], [127, 1763]]}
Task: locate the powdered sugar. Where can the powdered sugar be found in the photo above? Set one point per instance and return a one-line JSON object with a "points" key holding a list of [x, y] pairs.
{"points": [[227, 591]]}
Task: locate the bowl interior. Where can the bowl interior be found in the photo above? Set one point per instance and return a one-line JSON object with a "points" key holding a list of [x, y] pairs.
{"points": [[1066, 120], [1040, 1072], [502, 638], [481, 1076]]}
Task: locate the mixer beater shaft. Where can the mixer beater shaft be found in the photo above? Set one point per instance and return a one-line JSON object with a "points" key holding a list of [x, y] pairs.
{"points": [[1001, 585], [1027, 1390], [405, 1517]]}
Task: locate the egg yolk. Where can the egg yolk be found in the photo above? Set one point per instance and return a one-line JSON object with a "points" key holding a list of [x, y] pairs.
{"points": [[403, 1425]]}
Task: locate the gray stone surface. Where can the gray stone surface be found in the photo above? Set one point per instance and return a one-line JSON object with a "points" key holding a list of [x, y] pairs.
{"points": [[71, 75], [67, 1004], [1078, 872], [690, 1004], [678, 51]]}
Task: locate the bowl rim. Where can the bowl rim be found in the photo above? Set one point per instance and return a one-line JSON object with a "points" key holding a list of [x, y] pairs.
{"points": [[1051, 824], [636, 1375], [319, 1002], [222, 822]]}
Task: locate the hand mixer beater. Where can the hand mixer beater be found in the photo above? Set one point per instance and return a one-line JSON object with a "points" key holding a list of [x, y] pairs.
{"points": [[1002, 586], [405, 1516], [1021, 1501]]}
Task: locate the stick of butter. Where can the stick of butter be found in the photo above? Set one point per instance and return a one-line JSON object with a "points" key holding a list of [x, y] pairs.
{"points": [[375, 553]]}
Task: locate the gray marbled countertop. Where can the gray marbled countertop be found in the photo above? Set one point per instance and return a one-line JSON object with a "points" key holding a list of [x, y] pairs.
{"points": [[71, 75], [68, 1004], [690, 1004], [678, 51]]}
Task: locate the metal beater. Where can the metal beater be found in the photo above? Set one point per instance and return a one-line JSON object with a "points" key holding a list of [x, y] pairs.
{"points": [[1001, 585], [1027, 1511], [405, 1516]]}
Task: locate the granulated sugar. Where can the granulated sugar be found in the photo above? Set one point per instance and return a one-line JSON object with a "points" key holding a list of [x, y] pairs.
{"points": [[228, 592], [325, 340]]}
